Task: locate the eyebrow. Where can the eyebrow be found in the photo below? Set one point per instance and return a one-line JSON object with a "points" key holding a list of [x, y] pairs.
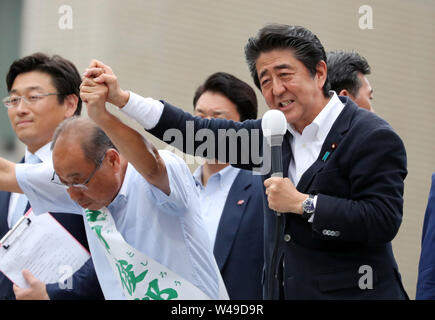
{"points": [[26, 89], [278, 67]]}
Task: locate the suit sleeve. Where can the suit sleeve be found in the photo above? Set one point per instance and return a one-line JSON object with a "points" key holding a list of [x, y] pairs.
{"points": [[237, 143], [373, 212], [85, 286], [426, 268]]}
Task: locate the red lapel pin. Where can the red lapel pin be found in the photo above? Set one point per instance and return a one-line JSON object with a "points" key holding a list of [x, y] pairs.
{"points": [[240, 202]]}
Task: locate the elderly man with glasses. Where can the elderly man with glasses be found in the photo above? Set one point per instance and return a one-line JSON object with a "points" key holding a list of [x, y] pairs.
{"points": [[141, 208]]}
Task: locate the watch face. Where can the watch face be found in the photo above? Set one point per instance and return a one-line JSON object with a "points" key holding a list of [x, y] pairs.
{"points": [[308, 205]]}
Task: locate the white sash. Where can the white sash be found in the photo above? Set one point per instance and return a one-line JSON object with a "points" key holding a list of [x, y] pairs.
{"points": [[140, 277]]}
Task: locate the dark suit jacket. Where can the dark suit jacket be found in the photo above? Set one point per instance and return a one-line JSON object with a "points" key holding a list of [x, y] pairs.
{"points": [[85, 282], [238, 247], [359, 207], [426, 268]]}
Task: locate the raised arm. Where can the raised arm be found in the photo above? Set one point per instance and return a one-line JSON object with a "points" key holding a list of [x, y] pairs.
{"points": [[132, 145], [239, 144]]}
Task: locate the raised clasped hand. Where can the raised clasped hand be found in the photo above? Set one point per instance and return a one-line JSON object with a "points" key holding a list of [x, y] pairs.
{"points": [[103, 74]]}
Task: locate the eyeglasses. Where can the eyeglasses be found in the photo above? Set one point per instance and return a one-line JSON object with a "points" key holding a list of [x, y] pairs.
{"points": [[82, 186], [14, 101]]}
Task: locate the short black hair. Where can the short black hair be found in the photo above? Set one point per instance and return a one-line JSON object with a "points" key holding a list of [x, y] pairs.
{"points": [[343, 69], [304, 44], [237, 91], [66, 79]]}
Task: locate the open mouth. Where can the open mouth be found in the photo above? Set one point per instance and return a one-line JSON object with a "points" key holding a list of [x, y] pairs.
{"points": [[286, 104]]}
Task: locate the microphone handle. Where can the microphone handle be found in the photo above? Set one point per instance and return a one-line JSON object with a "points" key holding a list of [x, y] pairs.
{"points": [[276, 170], [276, 161]]}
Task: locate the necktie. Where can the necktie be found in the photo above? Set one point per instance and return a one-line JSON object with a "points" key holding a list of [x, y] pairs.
{"points": [[22, 199]]}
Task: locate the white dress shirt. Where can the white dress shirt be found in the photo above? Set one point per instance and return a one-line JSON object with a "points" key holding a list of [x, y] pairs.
{"points": [[306, 146], [213, 196], [169, 229], [44, 154]]}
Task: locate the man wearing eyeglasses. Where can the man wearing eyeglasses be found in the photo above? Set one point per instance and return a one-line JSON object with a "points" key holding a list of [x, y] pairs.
{"points": [[43, 91], [144, 224]]}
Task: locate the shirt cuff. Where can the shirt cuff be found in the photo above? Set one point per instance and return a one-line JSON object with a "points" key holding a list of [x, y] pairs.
{"points": [[312, 216], [146, 111]]}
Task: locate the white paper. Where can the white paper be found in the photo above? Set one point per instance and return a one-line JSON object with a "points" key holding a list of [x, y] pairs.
{"points": [[45, 248]]}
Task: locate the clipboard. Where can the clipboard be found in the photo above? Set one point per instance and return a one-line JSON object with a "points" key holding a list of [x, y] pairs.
{"points": [[40, 244], [14, 229]]}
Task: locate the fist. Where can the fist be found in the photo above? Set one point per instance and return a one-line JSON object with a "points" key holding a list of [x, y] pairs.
{"points": [[283, 196]]}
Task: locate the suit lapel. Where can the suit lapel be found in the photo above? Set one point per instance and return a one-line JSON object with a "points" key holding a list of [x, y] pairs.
{"points": [[235, 207], [339, 128], [286, 153], [4, 207]]}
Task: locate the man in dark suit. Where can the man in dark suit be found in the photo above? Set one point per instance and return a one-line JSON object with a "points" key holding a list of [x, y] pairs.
{"points": [[341, 198], [43, 91], [426, 267], [230, 198], [347, 73]]}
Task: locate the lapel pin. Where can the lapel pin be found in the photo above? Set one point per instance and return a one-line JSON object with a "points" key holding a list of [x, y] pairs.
{"points": [[240, 202], [327, 153], [333, 146]]}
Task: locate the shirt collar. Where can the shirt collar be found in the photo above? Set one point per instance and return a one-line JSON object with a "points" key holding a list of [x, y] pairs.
{"points": [[124, 186], [43, 153], [197, 176], [121, 198], [325, 119], [226, 176]]}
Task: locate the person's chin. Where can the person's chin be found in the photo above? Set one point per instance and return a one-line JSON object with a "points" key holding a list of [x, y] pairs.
{"points": [[25, 133], [94, 206], [291, 116]]}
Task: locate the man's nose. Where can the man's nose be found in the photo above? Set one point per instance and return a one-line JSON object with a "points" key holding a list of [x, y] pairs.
{"points": [[75, 193], [22, 107], [278, 87]]}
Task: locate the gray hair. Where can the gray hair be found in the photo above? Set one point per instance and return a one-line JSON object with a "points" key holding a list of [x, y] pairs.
{"points": [[94, 141]]}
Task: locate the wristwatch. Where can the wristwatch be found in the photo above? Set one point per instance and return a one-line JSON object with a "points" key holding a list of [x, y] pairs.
{"points": [[308, 207]]}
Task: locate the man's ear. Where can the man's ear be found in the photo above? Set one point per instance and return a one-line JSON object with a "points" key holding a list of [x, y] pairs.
{"points": [[345, 93], [321, 73], [70, 103], [113, 157]]}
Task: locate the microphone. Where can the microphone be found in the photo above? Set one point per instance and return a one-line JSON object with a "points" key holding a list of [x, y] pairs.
{"points": [[274, 126]]}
